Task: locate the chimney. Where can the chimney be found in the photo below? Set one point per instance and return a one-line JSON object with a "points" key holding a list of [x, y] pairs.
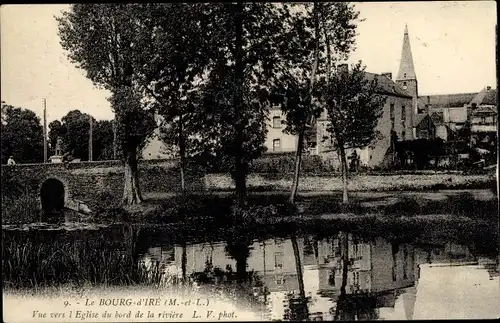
{"points": [[428, 100], [388, 75], [343, 68]]}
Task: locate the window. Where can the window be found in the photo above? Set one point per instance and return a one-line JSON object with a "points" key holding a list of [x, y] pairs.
{"points": [[403, 135], [276, 145], [424, 134], [404, 75], [277, 122]]}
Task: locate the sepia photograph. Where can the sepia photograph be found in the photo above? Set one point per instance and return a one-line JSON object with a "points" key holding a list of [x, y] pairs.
{"points": [[234, 161]]}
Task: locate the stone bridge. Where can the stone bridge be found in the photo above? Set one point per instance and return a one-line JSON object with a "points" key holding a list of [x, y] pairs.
{"points": [[58, 185]]}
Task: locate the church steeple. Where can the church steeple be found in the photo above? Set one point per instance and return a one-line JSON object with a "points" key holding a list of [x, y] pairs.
{"points": [[406, 67], [407, 78]]}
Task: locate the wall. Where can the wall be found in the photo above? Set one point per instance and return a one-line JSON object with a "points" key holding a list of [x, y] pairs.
{"points": [[442, 132], [375, 156], [287, 142], [384, 264], [90, 181]]}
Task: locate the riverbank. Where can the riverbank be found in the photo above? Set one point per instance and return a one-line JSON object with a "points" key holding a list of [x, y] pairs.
{"points": [[164, 208], [273, 207], [357, 183]]}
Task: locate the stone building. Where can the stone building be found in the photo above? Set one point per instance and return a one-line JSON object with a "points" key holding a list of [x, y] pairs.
{"points": [[397, 117]]}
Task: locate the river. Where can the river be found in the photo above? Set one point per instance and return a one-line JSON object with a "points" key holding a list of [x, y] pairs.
{"points": [[289, 276]]}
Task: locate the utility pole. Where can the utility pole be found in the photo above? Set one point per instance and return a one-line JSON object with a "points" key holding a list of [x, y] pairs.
{"points": [[90, 138], [45, 157]]}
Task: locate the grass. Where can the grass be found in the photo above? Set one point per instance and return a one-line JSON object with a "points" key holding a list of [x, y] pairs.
{"points": [[400, 182], [24, 209], [40, 259]]}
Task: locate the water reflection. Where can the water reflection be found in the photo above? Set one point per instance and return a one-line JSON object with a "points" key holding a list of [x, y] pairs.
{"points": [[341, 277]]}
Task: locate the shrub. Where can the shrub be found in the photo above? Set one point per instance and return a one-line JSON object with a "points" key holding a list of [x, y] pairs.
{"points": [[404, 206], [285, 163], [22, 209]]}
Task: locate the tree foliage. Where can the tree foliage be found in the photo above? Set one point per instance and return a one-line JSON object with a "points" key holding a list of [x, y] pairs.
{"points": [[317, 36], [354, 107], [244, 42], [103, 40], [22, 135], [74, 131]]}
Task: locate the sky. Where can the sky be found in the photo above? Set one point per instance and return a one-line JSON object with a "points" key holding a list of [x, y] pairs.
{"points": [[453, 47]]}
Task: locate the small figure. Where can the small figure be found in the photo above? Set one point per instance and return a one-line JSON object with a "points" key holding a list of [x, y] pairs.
{"points": [[354, 164], [11, 161]]}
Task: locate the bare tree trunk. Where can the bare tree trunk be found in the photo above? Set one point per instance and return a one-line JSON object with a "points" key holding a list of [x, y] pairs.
{"points": [[343, 160], [240, 183], [131, 192], [301, 135], [182, 153], [298, 160], [240, 171]]}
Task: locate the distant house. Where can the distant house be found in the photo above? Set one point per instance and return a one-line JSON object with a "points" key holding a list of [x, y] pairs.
{"points": [[155, 148], [424, 127], [483, 112], [277, 140], [484, 119], [450, 112]]}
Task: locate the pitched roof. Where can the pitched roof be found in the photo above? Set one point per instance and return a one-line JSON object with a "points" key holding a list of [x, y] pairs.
{"points": [[488, 97], [387, 86], [484, 97], [418, 118], [447, 100]]}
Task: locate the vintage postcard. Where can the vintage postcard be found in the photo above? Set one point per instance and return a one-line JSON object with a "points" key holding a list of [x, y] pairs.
{"points": [[264, 161]]}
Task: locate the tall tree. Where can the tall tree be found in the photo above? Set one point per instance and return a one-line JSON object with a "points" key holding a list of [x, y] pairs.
{"points": [[102, 40], [354, 107], [244, 54], [135, 125], [103, 140], [169, 74], [318, 34], [22, 135], [75, 133]]}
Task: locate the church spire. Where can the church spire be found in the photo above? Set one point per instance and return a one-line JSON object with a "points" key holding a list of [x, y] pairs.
{"points": [[406, 68]]}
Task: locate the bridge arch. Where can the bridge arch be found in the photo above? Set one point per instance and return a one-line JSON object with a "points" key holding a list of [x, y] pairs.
{"points": [[53, 195]]}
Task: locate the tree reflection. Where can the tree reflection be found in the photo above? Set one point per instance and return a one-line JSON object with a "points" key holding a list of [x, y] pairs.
{"points": [[298, 307], [355, 305], [239, 250], [184, 262]]}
